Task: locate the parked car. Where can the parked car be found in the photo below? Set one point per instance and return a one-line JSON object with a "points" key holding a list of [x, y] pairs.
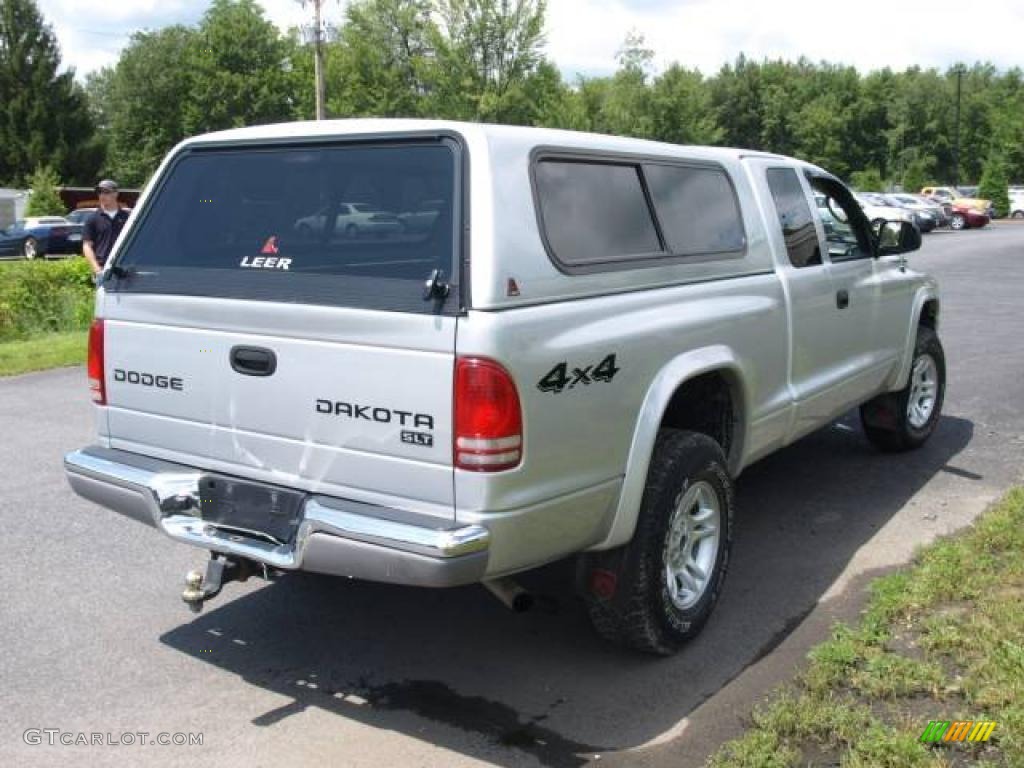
{"points": [[879, 211], [351, 220], [954, 195], [927, 217], [1017, 203], [941, 212], [79, 215], [41, 236], [608, 333], [966, 217]]}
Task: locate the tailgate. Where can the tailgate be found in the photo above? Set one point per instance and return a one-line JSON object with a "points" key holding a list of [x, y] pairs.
{"points": [[239, 340]]}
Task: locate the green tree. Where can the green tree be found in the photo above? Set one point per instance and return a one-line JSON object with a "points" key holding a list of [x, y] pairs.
{"points": [[736, 94], [916, 175], [43, 115], [484, 52], [240, 72], [44, 200], [867, 181], [383, 64], [995, 185], [141, 102]]}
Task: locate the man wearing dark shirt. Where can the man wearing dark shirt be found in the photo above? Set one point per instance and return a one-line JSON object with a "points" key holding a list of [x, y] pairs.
{"points": [[103, 227]]}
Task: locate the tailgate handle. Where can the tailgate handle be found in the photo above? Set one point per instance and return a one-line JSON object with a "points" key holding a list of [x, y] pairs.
{"points": [[253, 361]]}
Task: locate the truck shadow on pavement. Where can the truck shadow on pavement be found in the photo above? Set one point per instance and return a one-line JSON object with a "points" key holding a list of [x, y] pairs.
{"points": [[522, 689]]}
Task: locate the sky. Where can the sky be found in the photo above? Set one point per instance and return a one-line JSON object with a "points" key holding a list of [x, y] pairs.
{"points": [[583, 36]]}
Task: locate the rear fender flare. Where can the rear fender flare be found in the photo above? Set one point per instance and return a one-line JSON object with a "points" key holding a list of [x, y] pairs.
{"points": [[672, 375]]}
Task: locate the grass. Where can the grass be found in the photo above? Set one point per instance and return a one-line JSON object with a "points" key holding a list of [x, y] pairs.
{"points": [[941, 640], [51, 350]]}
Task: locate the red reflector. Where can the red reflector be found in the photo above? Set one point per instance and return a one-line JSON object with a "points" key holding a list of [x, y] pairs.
{"points": [[488, 418], [603, 583], [97, 379]]}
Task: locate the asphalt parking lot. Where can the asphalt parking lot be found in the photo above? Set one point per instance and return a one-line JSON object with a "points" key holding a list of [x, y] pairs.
{"points": [[314, 670]]}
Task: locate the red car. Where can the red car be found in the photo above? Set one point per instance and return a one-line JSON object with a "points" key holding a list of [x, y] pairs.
{"points": [[965, 217]]}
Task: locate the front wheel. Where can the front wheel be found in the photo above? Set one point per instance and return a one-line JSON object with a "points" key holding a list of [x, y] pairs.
{"points": [[30, 249], [659, 590], [901, 421], [958, 221]]}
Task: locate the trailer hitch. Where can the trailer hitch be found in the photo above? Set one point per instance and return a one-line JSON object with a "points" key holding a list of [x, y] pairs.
{"points": [[220, 570]]}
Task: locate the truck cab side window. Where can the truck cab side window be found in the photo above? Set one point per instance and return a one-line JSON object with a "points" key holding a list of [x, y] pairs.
{"points": [[794, 217]]}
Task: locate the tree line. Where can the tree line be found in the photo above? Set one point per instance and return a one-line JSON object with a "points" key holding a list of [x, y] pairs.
{"points": [[485, 60]]}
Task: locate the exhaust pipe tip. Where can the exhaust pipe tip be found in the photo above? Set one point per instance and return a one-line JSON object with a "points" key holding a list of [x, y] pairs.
{"points": [[523, 602], [511, 594]]}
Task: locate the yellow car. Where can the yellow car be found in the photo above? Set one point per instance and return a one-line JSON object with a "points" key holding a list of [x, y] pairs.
{"points": [[956, 197]]}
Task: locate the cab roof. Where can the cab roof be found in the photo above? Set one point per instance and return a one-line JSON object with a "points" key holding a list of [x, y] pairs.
{"points": [[492, 133]]}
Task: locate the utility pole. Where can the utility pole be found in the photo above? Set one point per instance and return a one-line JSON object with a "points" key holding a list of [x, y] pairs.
{"points": [[956, 150], [318, 63], [318, 34]]}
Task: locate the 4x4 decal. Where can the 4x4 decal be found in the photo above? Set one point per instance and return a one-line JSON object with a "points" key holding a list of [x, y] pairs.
{"points": [[559, 378]]}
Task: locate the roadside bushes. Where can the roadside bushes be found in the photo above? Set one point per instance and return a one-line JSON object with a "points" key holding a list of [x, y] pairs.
{"points": [[40, 297]]}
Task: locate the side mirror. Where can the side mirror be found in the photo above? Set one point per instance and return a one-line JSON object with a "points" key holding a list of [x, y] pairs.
{"points": [[896, 237]]}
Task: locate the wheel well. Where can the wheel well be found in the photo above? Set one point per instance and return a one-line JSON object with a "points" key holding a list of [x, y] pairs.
{"points": [[930, 315], [706, 404]]}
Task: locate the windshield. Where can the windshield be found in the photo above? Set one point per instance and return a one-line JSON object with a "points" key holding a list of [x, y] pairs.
{"points": [[273, 224]]}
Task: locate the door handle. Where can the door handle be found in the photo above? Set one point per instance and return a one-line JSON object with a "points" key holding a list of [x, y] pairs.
{"points": [[253, 361], [842, 299]]}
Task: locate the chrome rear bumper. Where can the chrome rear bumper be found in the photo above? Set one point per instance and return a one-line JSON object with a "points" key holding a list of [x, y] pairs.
{"points": [[336, 536]]}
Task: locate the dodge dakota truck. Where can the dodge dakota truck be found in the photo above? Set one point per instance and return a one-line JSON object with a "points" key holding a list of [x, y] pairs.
{"points": [[576, 354]]}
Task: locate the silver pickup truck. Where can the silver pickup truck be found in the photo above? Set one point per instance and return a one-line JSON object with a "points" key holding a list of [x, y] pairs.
{"points": [[577, 349]]}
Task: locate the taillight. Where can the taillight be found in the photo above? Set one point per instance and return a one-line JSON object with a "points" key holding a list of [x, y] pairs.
{"points": [[97, 381], [488, 418]]}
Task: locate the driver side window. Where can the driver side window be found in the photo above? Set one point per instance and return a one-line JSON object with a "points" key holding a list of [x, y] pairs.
{"points": [[842, 219]]}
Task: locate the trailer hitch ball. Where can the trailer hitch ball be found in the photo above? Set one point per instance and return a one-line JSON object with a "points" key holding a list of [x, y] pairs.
{"points": [[193, 594]]}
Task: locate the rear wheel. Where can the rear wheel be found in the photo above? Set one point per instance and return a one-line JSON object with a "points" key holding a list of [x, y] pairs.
{"points": [[958, 221], [901, 421], [30, 248], [660, 589], [1018, 214]]}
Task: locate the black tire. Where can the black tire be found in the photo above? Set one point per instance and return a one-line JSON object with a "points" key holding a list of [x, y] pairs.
{"points": [[640, 612], [959, 221], [351, 231], [886, 419], [30, 248], [1018, 214]]}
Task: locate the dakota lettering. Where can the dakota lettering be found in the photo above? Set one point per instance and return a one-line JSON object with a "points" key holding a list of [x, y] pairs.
{"points": [[375, 413]]}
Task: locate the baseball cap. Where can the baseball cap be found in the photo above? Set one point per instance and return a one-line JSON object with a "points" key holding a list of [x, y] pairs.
{"points": [[107, 186]]}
